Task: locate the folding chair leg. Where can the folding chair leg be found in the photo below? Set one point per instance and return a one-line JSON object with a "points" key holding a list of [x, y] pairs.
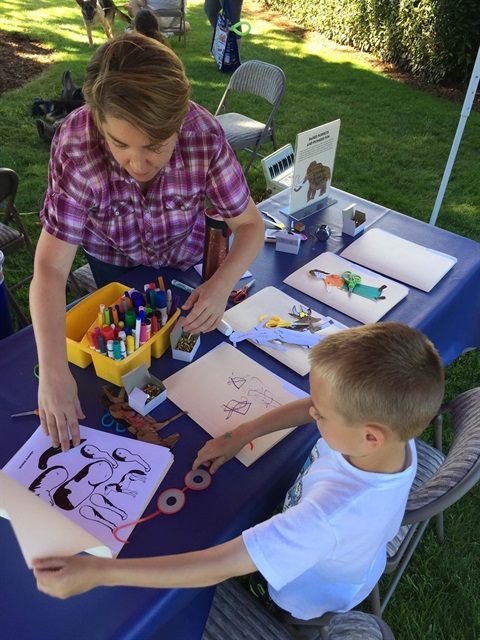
{"points": [[21, 318]]}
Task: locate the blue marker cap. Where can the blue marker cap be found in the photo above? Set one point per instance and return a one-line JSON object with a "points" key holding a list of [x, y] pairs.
{"points": [[160, 299]]}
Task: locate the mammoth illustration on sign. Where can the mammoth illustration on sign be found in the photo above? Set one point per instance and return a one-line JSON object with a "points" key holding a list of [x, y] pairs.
{"points": [[317, 177]]}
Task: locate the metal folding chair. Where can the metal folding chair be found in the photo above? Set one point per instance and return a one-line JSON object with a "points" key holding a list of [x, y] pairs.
{"points": [[171, 17], [441, 480], [13, 235], [244, 132]]}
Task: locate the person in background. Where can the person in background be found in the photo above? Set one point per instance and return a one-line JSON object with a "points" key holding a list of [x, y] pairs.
{"points": [[373, 389], [55, 111], [165, 23], [129, 177], [213, 7]]}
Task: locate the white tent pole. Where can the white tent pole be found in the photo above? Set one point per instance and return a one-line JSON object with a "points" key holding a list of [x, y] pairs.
{"points": [[467, 106]]}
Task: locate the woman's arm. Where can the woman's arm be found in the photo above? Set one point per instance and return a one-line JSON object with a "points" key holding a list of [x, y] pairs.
{"points": [[58, 402], [207, 303]]}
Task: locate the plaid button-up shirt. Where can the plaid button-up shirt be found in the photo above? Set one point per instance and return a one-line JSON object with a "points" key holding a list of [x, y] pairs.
{"points": [[91, 201]]}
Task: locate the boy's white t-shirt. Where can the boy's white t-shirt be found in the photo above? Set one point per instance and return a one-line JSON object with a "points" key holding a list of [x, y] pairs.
{"points": [[327, 552]]}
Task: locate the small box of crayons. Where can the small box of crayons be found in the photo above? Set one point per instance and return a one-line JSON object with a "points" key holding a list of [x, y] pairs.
{"points": [[119, 328]]}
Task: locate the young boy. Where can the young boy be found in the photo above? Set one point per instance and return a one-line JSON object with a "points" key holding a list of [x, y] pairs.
{"points": [[373, 389]]}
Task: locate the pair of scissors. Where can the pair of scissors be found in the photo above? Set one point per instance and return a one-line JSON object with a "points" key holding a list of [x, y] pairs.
{"points": [[25, 413], [276, 322], [238, 295], [351, 279]]}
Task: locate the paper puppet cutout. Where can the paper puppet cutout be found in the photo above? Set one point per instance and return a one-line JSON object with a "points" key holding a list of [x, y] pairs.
{"points": [[335, 280], [144, 428], [269, 337]]}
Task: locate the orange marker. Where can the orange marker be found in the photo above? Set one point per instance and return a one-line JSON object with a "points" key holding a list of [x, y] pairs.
{"points": [[160, 284]]}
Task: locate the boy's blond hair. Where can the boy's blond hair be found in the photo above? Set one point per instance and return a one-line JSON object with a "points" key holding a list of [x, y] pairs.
{"points": [[141, 81], [386, 374]]}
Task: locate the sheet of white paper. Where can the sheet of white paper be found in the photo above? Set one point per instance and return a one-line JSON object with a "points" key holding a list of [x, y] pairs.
{"points": [[399, 258], [224, 388], [272, 301], [88, 491], [355, 306]]}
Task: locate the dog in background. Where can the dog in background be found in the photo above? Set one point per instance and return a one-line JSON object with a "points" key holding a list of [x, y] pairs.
{"points": [[100, 12]]}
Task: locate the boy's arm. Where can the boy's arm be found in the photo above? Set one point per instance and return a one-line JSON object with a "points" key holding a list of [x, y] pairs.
{"points": [[217, 451], [65, 577]]}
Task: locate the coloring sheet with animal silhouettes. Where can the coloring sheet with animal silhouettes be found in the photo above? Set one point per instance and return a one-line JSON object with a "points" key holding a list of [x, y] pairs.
{"points": [[65, 503], [371, 295], [226, 388]]}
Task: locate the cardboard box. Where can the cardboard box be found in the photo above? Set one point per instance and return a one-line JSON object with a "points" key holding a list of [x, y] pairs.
{"points": [[134, 382], [288, 242], [177, 354], [83, 317], [353, 221]]}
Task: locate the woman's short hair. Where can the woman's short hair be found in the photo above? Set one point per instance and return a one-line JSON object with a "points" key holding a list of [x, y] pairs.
{"points": [[386, 374], [139, 80]]}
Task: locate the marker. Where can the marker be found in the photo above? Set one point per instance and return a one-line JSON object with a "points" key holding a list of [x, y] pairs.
{"points": [[117, 352], [183, 286], [169, 301], [154, 325], [123, 349], [130, 345], [138, 324], [160, 284], [101, 345], [110, 349]]}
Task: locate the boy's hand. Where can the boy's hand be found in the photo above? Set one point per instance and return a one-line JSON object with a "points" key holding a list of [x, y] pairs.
{"points": [[65, 577], [218, 451]]}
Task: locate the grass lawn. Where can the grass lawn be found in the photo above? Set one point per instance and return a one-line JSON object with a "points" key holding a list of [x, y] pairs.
{"points": [[393, 147]]}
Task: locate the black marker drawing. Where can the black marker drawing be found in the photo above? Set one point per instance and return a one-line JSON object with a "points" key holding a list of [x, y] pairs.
{"points": [[82, 485], [124, 485], [93, 452], [124, 455], [100, 500], [237, 381], [47, 482], [236, 406], [255, 391], [90, 513], [52, 451]]}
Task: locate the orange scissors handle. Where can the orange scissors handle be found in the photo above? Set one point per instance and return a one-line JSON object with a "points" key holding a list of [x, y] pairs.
{"points": [[238, 295]]}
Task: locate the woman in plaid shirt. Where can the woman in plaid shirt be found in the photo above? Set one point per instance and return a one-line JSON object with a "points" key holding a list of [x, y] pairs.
{"points": [[129, 174]]}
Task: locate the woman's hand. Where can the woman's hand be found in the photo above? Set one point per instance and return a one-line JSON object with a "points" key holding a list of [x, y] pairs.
{"points": [[206, 305], [59, 407]]}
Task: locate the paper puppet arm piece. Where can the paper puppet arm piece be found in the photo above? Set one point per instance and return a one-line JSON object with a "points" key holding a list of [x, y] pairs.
{"points": [[260, 335]]}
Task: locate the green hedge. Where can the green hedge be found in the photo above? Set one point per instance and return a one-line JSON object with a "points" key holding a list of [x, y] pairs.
{"points": [[434, 39]]}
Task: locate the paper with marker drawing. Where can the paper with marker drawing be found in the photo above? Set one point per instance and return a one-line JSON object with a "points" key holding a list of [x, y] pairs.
{"points": [[401, 259], [64, 503], [355, 306], [226, 388], [272, 301]]}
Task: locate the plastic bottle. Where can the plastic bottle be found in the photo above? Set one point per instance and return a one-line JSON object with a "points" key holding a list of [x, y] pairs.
{"points": [[217, 236], [6, 327]]}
